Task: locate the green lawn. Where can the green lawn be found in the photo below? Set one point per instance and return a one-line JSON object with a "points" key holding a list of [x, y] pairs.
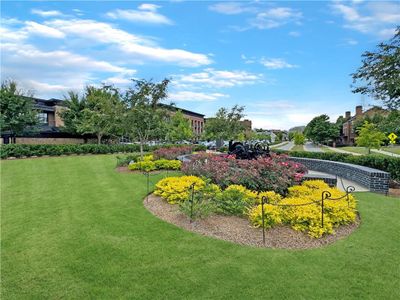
{"points": [[327, 149], [297, 148], [74, 228], [359, 150], [395, 149]]}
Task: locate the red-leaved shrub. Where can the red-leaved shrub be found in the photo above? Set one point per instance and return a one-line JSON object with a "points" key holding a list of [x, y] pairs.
{"points": [[276, 173], [172, 153]]}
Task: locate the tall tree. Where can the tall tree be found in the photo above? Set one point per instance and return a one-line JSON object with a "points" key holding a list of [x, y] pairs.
{"points": [[74, 112], [299, 138], [370, 137], [16, 109], [179, 128], [226, 124], [379, 74], [102, 113], [144, 118], [320, 130]]}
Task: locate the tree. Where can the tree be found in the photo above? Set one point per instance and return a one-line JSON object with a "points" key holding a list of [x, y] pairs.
{"points": [[226, 124], [299, 138], [379, 74], [320, 130], [16, 109], [144, 119], [179, 128], [370, 137], [102, 113], [391, 123], [73, 114]]}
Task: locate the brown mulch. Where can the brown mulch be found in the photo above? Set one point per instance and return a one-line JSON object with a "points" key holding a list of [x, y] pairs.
{"points": [[394, 192], [239, 230]]}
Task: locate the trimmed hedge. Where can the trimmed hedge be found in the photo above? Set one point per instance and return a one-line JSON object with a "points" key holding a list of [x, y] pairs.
{"points": [[384, 163], [20, 150]]}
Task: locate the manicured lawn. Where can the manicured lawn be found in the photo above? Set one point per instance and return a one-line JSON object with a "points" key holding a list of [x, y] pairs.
{"points": [[327, 149], [359, 150], [395, 150], [72, 227], [297, 148]]}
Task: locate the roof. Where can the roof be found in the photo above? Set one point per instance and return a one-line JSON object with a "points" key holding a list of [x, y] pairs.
{"points": [[184, 111]]}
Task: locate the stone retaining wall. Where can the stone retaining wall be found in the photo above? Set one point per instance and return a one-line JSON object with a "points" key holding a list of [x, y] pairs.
{"points": [[375, 180]]}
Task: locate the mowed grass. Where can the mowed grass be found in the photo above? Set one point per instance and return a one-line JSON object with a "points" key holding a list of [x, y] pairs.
{"points": [[297, 148], [74, 228], [392, 149], [359, 150]]}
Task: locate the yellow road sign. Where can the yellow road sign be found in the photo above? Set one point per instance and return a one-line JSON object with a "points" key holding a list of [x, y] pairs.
{"points": [[392, 137]]}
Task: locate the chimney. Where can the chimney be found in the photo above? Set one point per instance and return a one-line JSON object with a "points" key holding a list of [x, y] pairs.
{"points": [[347, 115], [358, 110]]}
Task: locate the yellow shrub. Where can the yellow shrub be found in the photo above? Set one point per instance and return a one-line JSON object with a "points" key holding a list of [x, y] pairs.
{"points": [[177, 189], [272, 215], [272, 197], [307, 218]]}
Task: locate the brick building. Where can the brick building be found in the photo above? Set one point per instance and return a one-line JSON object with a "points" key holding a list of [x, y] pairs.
{"points": [[50, 126], [348, 132]]}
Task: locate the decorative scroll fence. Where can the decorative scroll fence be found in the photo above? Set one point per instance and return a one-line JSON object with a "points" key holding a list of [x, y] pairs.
{"points": [[325, 196]]}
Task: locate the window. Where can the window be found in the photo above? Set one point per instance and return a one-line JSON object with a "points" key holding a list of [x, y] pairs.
{"points": [[43, 118]]}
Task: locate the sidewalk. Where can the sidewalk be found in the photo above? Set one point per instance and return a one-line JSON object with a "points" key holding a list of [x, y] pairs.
{"points": [[385, 152], [342, 151]]}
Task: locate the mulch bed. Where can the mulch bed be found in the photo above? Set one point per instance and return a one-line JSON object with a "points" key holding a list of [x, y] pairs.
{"points": [[239, 230]]}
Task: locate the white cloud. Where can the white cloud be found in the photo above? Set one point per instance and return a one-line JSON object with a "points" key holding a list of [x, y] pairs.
{"points": [[379, 18], [43, 30], [275, 17], [149, 6], [276, 63], [231, 8], [134, 47], [146, 13], [294, 33], [285, 114], [46, 13], [217, 78], [53, 71], [190, 96]]}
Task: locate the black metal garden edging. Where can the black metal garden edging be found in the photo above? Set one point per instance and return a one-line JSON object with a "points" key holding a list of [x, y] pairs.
{"points": [[147, 174], [325, 195]]}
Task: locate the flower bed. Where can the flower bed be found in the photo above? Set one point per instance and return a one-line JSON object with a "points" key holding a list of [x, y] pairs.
{"points": [[276, 173], [172, 152], [237, 200]]}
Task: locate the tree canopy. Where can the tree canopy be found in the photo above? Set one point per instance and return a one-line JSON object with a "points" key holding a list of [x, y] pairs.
{"points": [[179, 128], [16, 109], [226, 124], [144, 118], [379, 74], [370, 137], [320, 130]]}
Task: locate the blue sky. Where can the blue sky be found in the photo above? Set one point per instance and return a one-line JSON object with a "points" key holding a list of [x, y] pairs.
{"points": [[286, 62]]}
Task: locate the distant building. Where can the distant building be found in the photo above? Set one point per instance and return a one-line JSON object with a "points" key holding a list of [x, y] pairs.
{"points": [[348, 132], [49, 130], [197, 120]]}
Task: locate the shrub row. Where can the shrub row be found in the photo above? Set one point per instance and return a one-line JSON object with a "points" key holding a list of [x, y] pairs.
{"points": [[20, 150], [384, 163]]}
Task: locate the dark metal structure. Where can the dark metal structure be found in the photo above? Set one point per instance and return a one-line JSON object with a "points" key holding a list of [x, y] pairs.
{"points": [[247, 151]]}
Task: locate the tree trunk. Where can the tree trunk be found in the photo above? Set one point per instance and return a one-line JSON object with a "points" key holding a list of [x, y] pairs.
{"points": [[99, 136], [141, 149]]}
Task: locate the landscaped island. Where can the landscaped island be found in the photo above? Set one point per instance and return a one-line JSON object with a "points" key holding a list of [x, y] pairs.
{"points": [[266, 191]]}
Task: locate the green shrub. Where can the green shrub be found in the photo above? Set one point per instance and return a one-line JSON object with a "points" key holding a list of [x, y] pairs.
{"points": [[384, 163], [168, 164], [235, 200], [123, 161], [21, 150]]}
